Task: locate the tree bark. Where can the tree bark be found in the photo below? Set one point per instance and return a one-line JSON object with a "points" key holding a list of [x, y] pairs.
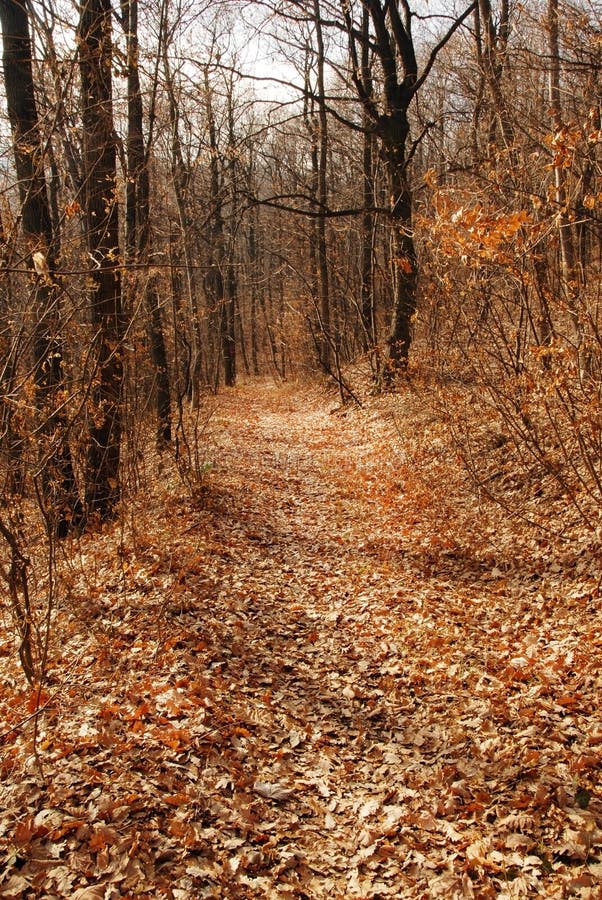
{"points": [[393, 132], [58, 478], [181, 178], [368, 317], [138, 234], [392, 43], [492, 55], [100, 203], [216, 284], [232, 310], [326, 342], [565, 229]]}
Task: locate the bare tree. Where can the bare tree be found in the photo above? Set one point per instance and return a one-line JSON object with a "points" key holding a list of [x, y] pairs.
{"points": [[319, 127], [392, 43], [220, 289], [58, 477], [368, 316], [565, 228], [492, 43], [102, 229], [138, 237]]}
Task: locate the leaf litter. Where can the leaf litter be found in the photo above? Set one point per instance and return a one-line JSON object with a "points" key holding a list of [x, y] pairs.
{"points": [[334, 674]]}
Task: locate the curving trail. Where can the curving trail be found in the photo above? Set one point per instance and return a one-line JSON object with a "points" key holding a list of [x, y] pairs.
{"points": [[304, 686]]}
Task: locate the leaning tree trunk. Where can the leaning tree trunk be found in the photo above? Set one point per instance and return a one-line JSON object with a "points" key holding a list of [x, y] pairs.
{"points": [[58, 481], [100, 157]]}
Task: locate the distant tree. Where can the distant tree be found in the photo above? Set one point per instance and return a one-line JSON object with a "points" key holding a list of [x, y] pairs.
{"points": [[190, 341], [368, 312], [318, 127], [391, 42], [221, 290]]}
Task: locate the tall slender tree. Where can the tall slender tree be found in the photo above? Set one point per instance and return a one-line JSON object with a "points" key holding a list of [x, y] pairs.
{"points": [[367, 310], [102, 230], [58, 478], [138, 231], [492, 43], [565, 229], [216, 239], [181, 176], [320, 127]]}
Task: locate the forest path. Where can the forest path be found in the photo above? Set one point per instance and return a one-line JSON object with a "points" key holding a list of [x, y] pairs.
{"points": [[378, 666], [319, 596], [312, 681]]}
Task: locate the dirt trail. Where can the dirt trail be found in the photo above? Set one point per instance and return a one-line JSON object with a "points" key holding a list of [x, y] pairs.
{"points": [[300, 687], [372, 674]]}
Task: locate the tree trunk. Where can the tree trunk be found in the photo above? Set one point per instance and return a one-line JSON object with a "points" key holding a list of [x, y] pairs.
{"points": [[369, 336], [255, 287], [138, 223], [390, 40], [100, 203], [492, 60], [216, 285], [394, 130], [565, 229], [326, 342], [181, 178], [58, 478], [232, 312]]}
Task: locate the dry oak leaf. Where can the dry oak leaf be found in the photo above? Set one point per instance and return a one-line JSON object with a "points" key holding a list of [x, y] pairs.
{"points": [[93, 892], [272, 791]]}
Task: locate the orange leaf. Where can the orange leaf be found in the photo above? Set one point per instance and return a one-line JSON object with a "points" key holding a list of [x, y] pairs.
{"points": [[24, 831], [405, 265], [142, 710], [37, 698], [179, 799], [176, 738]]}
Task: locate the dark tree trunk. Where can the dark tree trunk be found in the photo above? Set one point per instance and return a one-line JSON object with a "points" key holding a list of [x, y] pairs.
{"points": [[393, 132], [100, 157], [369, 336], [22, 112], [138, 225], [58, 478], [255, 288], [321, 127], [232, 312], [391, 41], [492, 54]]}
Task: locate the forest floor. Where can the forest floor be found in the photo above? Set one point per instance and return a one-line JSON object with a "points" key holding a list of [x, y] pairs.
{"points": [[329, 673]]}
